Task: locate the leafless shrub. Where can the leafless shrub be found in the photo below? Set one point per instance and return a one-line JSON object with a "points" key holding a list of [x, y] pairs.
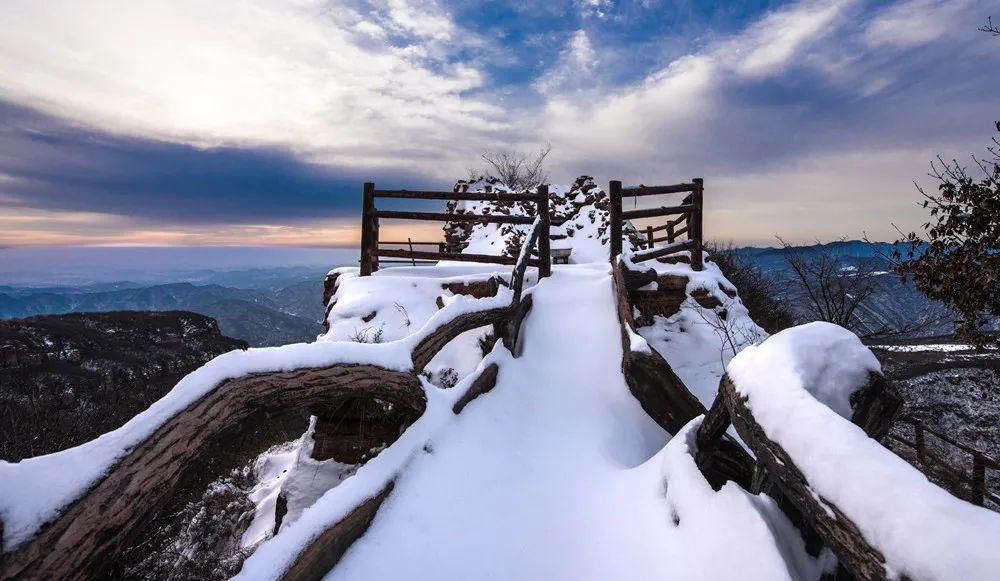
{"points": [[519, 171], [833, 293], [760, 293], [368, 334]]}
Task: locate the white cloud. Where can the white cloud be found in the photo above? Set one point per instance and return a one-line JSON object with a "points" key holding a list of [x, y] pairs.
{"points": [[914, 22], [573, 70], [295, 74]]}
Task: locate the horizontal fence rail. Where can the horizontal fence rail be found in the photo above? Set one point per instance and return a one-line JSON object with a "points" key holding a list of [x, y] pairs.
{"points": [[372, 248], [689, 213], [926, 460]]}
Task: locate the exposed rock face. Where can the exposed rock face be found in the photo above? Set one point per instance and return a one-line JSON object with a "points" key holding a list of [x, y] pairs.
{"points": [[65, 379]]}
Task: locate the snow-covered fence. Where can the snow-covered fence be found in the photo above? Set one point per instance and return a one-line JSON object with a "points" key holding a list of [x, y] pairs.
{"points": [[811, 404], [660, 392], [371, 248], [66, 515], [688, 221]]}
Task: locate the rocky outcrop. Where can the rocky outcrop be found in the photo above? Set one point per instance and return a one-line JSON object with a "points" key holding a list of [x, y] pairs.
{"points": [[65, 379]]}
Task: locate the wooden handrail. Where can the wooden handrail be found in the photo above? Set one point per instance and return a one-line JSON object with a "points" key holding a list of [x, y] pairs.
{"points": [[656, 190], [657, 212], [446, 217], [458, 196], [663, 251]]}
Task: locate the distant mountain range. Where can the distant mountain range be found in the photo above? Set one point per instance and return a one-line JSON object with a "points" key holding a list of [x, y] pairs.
{"points": [[277, 305], [285, 309]]}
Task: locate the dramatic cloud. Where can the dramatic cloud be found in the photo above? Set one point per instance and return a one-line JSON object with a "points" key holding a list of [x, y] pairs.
{"points": [[186, 121]]}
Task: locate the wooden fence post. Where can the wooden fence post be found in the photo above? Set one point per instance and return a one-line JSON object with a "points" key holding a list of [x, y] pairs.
{"points": [[670, 233], [695, 226], [649, 237], [544, 242], [978, 479], [369, 236], [918, 442], [615, 191], [410, 242]]}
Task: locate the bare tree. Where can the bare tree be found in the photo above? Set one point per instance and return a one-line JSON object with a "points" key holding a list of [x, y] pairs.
{"points": [[833, 292], [517, 170], [990, 27]]}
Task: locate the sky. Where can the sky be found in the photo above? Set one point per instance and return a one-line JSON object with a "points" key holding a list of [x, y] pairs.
{"points": [[255, 122]]}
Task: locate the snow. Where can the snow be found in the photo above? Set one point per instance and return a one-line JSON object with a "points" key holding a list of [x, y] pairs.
{"points": [[821, 359], [941, 347], [697, 342], [557, 473], [923, 531], [34, 490]]}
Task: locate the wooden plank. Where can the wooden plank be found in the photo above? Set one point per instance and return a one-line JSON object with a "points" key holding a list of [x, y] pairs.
{"points": [[446, 217], [657, 190], [466, 196], [663, 251], [657, 212]]}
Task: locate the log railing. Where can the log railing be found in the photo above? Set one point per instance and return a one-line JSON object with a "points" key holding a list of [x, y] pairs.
{"points": [[372, 248], [929, 462], [688, 221], [776, 472], [89, 531]]}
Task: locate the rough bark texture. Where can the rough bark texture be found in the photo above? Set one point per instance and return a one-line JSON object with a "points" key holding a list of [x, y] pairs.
{"points": [[433, 343], [325, 551], [84, 539], [836, 530], [650, 378], [485, 382], [876, 406]]}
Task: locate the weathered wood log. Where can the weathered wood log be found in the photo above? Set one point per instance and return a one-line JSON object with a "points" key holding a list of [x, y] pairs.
{"points": [[446, 217], [427, 348], [656, 190], [615, 219], [833, 526], [521, 265], [876, 406], [667, 250], [510, 329], [544, 242], [324, 552], [461, 196], [695, 222], [657, 212], [650, 378], [427, 255], [710, 432], [485, 382], [84, 539], [369, 231]]}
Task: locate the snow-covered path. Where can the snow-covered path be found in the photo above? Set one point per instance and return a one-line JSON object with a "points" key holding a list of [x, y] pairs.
{"points": [[559, 474]]}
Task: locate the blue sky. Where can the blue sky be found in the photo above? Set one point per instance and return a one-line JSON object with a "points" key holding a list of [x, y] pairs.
{"points": [[254, 122]]}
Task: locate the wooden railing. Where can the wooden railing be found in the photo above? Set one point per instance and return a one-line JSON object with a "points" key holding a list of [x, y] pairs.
{"points": [[371, 247], [776, 472], [929, 462], [688, 221]]}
